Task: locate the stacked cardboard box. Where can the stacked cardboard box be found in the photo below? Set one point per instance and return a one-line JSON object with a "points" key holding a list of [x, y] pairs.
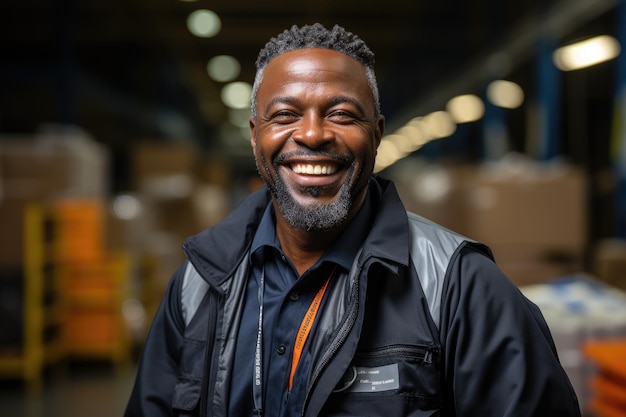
{"points": [[32, 170], [164, 182], [532, 215], [164, 178], [57, 163], [434, 191], [66, 172]]}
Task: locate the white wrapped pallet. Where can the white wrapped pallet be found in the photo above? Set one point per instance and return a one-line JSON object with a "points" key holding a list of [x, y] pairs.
{"points": [[578, 309]]}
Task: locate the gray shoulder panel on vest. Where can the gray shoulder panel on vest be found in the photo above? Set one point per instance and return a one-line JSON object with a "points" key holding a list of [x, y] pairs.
{"points": [[431, 248], [193, 290]]}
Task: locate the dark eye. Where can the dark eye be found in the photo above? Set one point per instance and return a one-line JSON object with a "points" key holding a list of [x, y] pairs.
{"points": [[341, 116], [284, 116]]}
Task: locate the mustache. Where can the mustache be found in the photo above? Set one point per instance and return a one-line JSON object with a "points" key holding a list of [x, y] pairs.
{"points": [[345, 159]]}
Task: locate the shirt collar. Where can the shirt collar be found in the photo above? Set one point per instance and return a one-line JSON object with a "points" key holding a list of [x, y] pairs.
{"points": [[342, 251], [346, 247], [266, 232]]}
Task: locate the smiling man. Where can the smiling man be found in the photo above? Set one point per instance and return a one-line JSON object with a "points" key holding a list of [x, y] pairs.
{"points": [[320, 295], [315, 130]]}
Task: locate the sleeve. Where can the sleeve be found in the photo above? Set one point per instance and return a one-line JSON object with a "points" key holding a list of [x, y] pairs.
{"points": [[158, 367], [500, 359]]}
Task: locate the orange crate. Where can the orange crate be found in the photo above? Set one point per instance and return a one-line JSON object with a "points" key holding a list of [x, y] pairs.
{"points": [[79, 230], [92, 328], [95, 284], [609, 383]]}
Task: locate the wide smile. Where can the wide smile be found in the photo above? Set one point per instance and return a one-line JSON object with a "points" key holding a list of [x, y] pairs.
{"points": [[313, 169], [314, 173]]}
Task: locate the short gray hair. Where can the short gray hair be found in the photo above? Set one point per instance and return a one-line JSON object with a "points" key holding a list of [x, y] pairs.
{"points": [[317, 36]]}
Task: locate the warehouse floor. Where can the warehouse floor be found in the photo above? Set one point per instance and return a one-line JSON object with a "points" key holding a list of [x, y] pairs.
{"points": [[86, 390]]}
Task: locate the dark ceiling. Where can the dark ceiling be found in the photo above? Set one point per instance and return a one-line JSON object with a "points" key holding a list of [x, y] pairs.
{"points": [[129, 70]]}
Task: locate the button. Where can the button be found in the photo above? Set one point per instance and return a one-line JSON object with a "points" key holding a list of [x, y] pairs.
{"points": [[281, 349], [294, 296]]}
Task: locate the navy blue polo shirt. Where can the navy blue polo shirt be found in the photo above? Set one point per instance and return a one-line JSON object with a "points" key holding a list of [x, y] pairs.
{"points": [[286, 298]]}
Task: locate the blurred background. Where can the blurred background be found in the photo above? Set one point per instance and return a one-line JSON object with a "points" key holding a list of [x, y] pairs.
{"points": [[123, 130]]}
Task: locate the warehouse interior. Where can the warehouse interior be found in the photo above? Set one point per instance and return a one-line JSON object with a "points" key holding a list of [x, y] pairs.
{"points": [[118, 139]]}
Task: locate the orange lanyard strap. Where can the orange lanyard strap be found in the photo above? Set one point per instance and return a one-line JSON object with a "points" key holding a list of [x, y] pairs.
{"points": [[305, 327]]}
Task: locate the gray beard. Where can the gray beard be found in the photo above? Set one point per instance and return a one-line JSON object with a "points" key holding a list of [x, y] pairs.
{"points": [[318, 217]]}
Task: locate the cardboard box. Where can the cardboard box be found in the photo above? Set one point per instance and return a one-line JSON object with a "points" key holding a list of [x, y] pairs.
{"points": [[31, 171], [433, 191], [540, 208], [609, 262], [153, 160], [535, 271], [52, 163], [533, 216], [523, 206]]}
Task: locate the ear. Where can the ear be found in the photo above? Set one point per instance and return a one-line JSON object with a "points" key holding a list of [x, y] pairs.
{"points": [[380, 129], [252, 124]]}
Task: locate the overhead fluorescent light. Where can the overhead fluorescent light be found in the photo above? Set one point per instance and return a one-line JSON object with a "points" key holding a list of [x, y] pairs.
{"points": [[586, 53]]}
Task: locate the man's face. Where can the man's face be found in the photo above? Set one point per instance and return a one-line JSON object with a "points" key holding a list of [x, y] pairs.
{"points": [[315, 136]]}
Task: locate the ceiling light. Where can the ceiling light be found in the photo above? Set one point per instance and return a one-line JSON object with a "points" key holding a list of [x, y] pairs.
{"points": [[387, 155], [506, 94], [126, 207], [237, 95], [586, 53], [466, 108], [410, 137], [439, 124], [204, 23], [223, 68], [401, 143]]}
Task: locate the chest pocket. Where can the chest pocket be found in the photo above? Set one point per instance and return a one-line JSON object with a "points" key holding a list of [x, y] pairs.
{"points": [[189, 384], [396, 380]]}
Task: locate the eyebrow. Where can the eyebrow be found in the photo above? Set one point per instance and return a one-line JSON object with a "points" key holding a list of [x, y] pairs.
{"points": [[333, 102], [284, 100], [344, 99]]}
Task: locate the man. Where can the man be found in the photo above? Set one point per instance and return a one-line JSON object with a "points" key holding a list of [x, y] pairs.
{"points": [[321, 296]]}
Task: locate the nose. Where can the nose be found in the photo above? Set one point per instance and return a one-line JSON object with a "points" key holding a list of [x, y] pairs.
{"points": [[313, 132]]}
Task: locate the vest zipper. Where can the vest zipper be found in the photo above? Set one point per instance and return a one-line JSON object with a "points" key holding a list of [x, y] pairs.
{"points": [[208, 382], [338, 341]]}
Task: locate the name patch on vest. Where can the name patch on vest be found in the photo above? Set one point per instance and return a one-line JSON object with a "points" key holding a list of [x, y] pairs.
{"points": [[380, 378]]}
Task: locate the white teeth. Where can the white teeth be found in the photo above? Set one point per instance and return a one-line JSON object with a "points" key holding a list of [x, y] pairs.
{"points": [[310, 169]]}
